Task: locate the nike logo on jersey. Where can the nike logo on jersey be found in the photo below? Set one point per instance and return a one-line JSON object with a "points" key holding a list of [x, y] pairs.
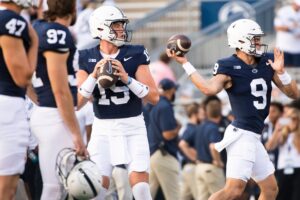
{"points": [[267, 63], [125, 59], [92, 60], [237, 67]]}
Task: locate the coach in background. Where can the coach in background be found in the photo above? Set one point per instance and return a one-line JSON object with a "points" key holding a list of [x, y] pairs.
{"points": [[163, 137], [186, 144], [210, 176]]}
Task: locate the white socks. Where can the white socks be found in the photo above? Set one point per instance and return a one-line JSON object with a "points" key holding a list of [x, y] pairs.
{"points": [[141, 191]]}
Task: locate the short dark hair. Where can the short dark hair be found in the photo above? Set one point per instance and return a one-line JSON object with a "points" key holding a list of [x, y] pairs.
{"points": [[210, 98], [59, 8], [192, 108], [278, 105], [164, 58]]}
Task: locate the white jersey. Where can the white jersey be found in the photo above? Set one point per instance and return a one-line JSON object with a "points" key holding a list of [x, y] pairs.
{"points": [[288, 154], [288, 41]]}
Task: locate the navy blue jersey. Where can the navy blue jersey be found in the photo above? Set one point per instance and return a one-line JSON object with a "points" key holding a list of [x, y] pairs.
{"points": [[207, 133], [12, 24], [56, 38], [162, 118], [250, 92], [188, 136], [117, 101]]}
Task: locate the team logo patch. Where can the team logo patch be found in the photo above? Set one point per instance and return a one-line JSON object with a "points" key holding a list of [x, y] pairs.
{"points": [[254, 71], [92, 60]]}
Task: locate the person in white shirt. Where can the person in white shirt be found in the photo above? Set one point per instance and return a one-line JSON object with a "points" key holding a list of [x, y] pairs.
{"points": [[287, 26]]}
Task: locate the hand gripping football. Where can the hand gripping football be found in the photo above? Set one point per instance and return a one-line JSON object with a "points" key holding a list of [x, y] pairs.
{"points": [[106, 77], [180, 44]]}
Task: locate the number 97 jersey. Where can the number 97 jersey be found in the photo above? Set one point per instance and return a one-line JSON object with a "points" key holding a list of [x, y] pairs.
{"points": [[56, 38], [250, 92]]}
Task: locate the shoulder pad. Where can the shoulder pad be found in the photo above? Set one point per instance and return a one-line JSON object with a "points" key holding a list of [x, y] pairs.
{"points": [[13, 24], [139, 52], [54, 37]]}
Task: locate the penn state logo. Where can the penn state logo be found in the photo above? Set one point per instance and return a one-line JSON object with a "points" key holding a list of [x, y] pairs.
{"points": [[254, 71], [233, 8]]}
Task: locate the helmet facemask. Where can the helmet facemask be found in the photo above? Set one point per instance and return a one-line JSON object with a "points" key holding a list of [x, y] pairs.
{"points": [[252, 47], [80, 177], [126, 35], [102, 25], [24, 3]]}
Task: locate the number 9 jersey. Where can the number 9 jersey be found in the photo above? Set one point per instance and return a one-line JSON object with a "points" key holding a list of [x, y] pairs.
{"points": [[250, 92], [56, 38]]}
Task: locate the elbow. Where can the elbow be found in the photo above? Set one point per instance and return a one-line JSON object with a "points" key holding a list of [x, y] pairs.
{"points": [[153, 98]]}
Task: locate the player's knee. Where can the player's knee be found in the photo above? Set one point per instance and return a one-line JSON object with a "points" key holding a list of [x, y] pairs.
{"points": [[105, 182], [234, 191], [271, 190], [137, 177]]}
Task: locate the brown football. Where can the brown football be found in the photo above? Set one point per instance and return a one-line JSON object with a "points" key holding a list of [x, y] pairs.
{"points": [[106, 77], [180, 44]]}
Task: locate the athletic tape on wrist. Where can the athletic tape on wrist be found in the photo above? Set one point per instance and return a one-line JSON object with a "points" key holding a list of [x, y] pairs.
{"points": [[285, 78], [87, 87], [188, 68], [138, 88]]}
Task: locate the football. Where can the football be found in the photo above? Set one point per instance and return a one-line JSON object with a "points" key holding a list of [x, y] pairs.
{"points": [[180, 44], [106, 77]]}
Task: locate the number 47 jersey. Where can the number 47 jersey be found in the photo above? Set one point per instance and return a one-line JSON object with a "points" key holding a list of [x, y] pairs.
{"points": [[13, 25], [250, 92], [56, 38]]}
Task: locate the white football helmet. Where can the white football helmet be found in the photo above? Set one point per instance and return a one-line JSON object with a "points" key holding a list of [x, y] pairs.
{"points": [[23, 3], [81, 178], [100, 25], [241, 34]]}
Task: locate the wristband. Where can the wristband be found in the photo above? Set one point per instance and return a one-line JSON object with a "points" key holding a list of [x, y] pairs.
{"points": [[138, 88], [129, 80], [87, 87], [285, 78], [188, 68]]}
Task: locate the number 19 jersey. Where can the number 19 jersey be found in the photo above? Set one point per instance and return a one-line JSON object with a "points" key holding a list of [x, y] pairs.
{"points": [[250, 92]]}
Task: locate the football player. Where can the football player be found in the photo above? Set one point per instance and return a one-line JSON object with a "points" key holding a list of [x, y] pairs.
{"points": [[247, 77], [18, 54], [54, 121], [119, 132]]}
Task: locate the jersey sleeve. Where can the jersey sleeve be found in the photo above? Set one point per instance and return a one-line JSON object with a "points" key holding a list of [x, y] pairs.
{"points": [[55, 39], [140, 53], [221, 67], [13, 25]]}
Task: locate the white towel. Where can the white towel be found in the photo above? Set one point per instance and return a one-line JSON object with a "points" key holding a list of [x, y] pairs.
{"points": [[231, 134]]}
